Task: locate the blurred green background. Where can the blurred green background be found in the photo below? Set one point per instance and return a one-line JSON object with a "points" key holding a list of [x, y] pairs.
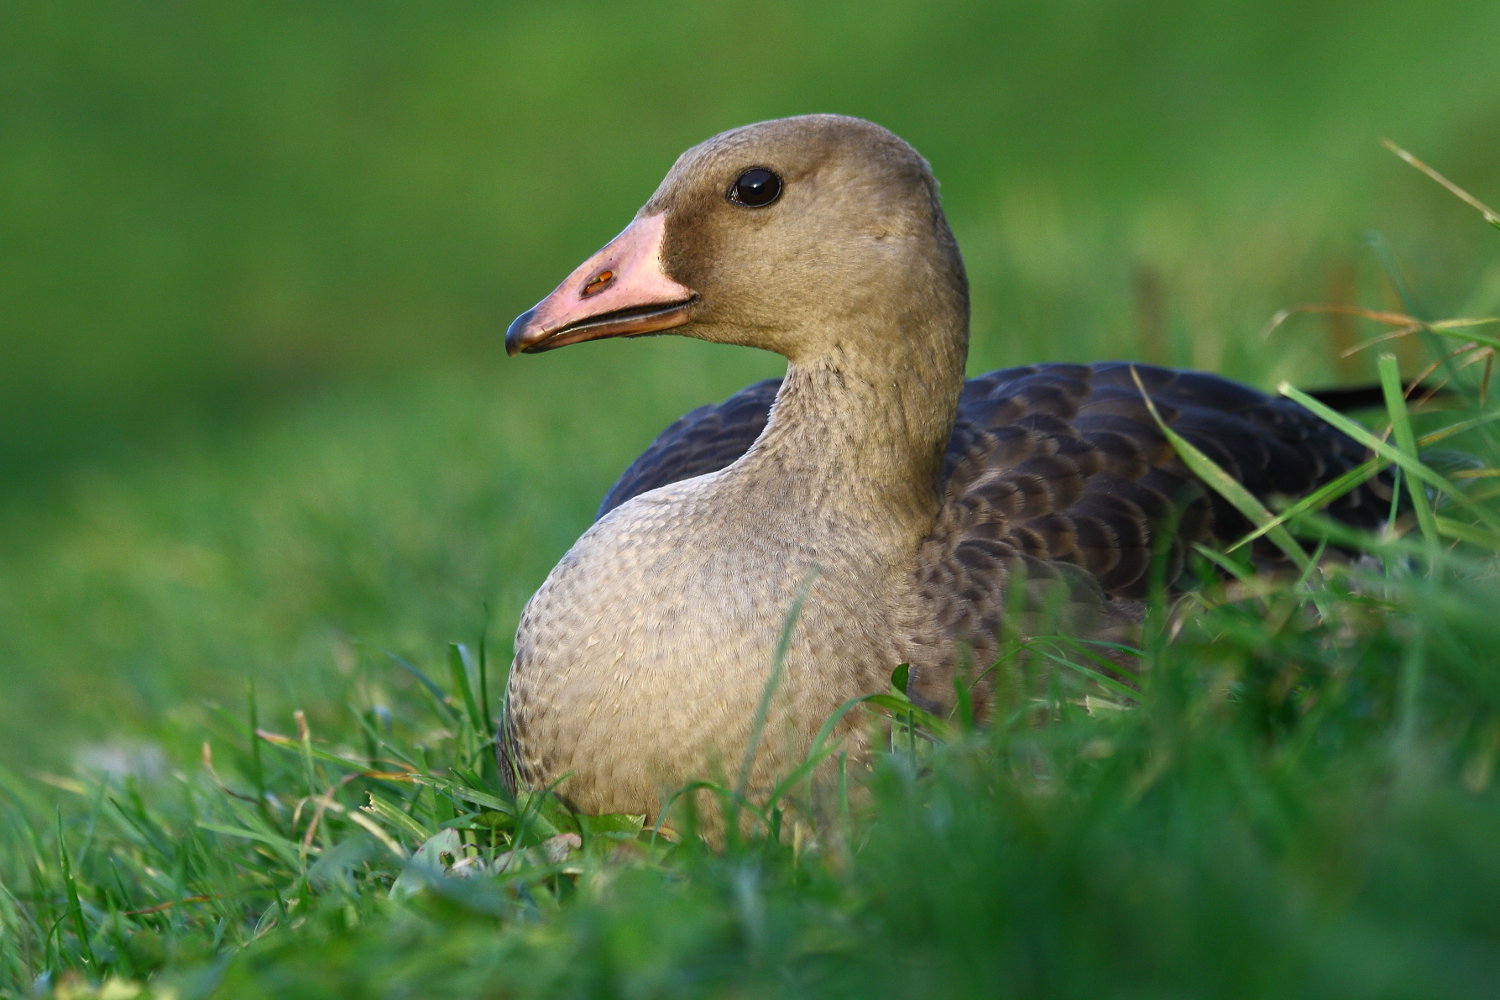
{"points": [[256, 261]]}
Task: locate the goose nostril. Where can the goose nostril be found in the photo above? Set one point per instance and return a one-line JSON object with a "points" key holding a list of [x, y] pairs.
{"points": [[599, 283]]}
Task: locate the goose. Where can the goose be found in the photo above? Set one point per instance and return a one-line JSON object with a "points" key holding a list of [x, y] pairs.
{"points": [[907, 514]]}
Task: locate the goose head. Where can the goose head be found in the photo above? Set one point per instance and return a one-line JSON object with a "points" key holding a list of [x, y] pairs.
{"points": [[802, 236]]}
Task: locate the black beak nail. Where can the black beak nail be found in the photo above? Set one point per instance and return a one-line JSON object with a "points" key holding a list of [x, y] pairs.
{"points": [[517, 330]]}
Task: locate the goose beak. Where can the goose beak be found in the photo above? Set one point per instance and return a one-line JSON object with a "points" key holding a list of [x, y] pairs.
{"points": [[621, 291]]}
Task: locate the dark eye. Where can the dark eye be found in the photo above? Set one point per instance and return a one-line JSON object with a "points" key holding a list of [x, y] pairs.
{"points": [[756, 188]]}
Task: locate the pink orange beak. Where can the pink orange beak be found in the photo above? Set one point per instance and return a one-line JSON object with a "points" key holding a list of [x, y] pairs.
{"points": [[621, 291]]}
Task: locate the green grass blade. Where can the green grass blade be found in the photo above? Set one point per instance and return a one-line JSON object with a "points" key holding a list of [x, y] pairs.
{"points": [[763, 709], [299, 747], [737, 799], [1326, 493], [1098, 677], [459, 672], [1222, 561], [396, 818], [304, 739], [75, 907], [1474, 535], [466, 794], [1406, 440], [1225, 485], [257, 765], [1412, 466], [484, 681], [904, 711], [1306, 575], [818, 751], [439, 698], [1432, 438], [285, 849], [1453, 332]]}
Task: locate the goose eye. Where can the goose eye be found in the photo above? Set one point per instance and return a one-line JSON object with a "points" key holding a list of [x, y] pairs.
{"points": [[756, 188]]}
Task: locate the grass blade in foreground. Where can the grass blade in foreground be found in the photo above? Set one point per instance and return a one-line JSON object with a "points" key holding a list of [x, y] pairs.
{"points": [[1226, 485], [1406, 440], [1077, 836], [1412, 466], [1325, 494]]}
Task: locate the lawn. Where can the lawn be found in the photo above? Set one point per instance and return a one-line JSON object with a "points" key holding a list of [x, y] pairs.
{"points": [[259, 436]]}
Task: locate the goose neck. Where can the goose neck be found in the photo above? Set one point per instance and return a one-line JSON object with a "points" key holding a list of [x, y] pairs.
{"points": [[863, 435]]}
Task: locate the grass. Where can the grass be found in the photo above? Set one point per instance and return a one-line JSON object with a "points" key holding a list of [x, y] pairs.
{"points": [[1296, 804], [1299, 799]]}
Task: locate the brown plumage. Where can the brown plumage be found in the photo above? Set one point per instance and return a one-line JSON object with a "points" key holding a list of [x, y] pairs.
{"points": [[906, 502]]}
